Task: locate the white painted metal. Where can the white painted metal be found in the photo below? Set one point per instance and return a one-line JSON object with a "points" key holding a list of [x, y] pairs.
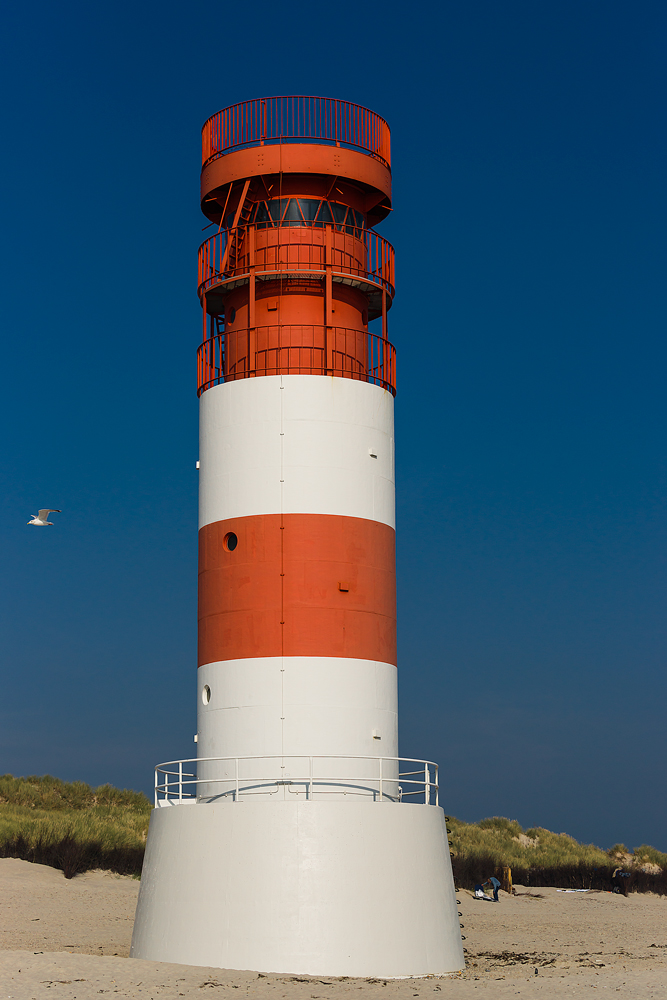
{"points": [[296, 705], [318, 888], [296, 444], [308, 776]]}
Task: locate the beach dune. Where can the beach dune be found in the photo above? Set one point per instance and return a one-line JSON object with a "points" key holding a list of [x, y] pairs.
{"points": [[70, 939]]}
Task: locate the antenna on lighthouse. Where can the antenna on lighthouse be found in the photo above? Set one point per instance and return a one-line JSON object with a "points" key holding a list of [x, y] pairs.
{"points": [[297, 841]]}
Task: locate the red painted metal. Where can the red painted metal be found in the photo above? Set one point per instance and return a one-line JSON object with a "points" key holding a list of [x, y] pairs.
{"points": [[272, 120], [294, 274], [296, 350], [279, 591], [361, 253]]}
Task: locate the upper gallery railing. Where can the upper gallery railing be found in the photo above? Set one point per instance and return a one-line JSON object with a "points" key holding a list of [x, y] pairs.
{"points": [[271, 120], [361, 253], [296, 350]]}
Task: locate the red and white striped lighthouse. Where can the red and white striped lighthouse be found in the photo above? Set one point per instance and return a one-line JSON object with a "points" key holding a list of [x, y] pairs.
{"points": [[308, 846]]}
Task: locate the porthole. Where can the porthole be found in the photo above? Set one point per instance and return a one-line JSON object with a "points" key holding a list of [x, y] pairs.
{"points": [[230, 541], [232, 314], [205, 694]]}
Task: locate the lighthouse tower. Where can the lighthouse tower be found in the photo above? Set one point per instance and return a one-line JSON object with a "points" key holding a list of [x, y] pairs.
{"points": [[297, 841]]}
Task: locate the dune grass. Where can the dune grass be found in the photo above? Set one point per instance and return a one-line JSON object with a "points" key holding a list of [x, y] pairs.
{"points": [[506, 840], [71, 826], [539, 857]]}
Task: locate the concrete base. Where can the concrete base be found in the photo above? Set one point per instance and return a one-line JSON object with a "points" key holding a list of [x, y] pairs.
{"points": [[320, 888]]}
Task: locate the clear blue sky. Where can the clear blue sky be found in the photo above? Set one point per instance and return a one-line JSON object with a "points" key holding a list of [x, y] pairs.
{"points": [[529, 226]]}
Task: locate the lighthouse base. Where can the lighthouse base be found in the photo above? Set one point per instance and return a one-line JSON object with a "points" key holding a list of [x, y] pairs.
{"points": [[320, 888]]}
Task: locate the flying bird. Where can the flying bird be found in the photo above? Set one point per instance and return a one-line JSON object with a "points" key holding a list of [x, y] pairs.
{"points": [[41, 517]]}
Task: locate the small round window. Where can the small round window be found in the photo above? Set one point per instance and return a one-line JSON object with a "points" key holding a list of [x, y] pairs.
{"points": [[205, 694], [232, 314], [230, 541]]}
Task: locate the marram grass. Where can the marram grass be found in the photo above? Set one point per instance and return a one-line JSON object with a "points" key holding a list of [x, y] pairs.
{"points": [[511, 845], [71, 826], [539, 857]]}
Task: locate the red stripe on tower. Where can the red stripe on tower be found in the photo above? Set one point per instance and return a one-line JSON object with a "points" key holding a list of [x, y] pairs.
{"points": [[297, 585]]}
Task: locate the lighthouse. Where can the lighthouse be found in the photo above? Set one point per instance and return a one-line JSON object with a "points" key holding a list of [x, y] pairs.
{"points": [[297, 840]]}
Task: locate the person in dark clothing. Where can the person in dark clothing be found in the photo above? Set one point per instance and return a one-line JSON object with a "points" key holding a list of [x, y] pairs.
{"points": [[494, 884], [620, 881]]}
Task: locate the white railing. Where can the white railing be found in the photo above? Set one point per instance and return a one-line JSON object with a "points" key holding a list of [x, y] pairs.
{"points": [[179, 782]]}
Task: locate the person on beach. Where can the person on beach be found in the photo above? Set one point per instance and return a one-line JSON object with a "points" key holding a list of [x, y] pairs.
{"points": [[495, 885], [619, 881]]}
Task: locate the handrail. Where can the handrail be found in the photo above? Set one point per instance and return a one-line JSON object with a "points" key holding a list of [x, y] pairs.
{"points": [[361, 253], [173, 792], [271, 120], [296, 350]]}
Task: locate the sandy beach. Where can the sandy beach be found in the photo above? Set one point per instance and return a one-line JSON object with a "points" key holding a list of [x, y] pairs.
{"points": [[70, 939]]}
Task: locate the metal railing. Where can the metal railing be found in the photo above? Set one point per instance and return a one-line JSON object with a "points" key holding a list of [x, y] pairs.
{"points": [[383, 782], [359, 253], [296, 350], [270, 120]]}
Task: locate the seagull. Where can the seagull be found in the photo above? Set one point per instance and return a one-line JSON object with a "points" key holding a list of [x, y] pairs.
{"points": [[41, 518]]}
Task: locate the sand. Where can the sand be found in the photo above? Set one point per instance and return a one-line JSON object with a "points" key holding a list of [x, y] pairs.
{"points": [[69, 940]]}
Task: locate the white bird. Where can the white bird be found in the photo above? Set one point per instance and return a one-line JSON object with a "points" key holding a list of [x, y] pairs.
{"points": [[41, 517]]}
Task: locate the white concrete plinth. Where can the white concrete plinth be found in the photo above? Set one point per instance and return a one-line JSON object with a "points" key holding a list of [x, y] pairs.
{"points": [[320, 888]]}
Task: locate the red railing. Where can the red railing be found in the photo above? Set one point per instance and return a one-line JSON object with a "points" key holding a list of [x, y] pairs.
{"points": [[296, 350], [272, 120], [361, 253]]}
